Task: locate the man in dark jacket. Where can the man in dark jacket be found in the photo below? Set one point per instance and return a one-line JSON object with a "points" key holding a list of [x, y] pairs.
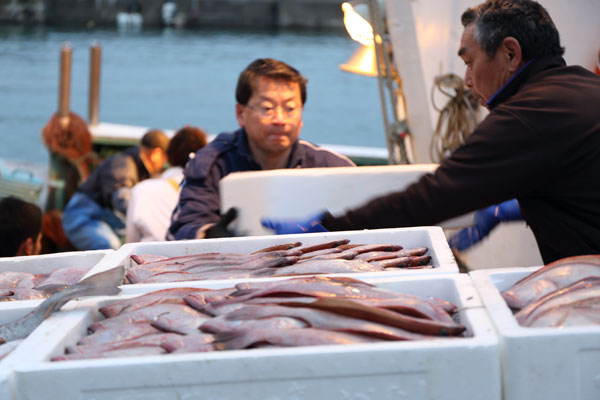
{"points": [[539, 144], [94, 218], [270, 97]]}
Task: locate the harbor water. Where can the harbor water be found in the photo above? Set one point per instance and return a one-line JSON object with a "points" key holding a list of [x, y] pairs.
{"points": [[167, 78]]}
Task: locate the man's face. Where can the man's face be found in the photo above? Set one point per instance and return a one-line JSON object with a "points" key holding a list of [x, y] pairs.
{"points": [[484, 75], [273, 116]]}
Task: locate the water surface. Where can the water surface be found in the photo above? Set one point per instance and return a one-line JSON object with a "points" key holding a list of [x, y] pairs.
{"points": [[166, 78]]}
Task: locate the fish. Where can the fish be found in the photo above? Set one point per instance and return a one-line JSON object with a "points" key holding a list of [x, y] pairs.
{"points": [[104, 283], [322, 319], [549, 278], [286, 337], [571, 299]]}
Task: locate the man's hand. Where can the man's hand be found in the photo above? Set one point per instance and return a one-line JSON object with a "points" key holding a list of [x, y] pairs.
{"points": [[219, 230], [485, 220], [305, 225]]}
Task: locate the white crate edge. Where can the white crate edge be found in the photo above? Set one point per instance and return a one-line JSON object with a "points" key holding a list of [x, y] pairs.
{"points": [[454, 368], [545, 363], [431, 236]]}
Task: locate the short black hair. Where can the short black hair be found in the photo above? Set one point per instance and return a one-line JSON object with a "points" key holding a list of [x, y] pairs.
{"points": [[19, 220], [155, 138], [186, 140], [525, 20], [269, 68]]}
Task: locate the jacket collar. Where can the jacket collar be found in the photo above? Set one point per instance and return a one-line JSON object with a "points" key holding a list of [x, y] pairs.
{"points": [[241, 142], [524, 74]]}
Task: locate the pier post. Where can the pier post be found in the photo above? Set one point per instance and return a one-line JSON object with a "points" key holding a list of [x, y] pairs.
{"points": [[94, 89], [64, 88]]}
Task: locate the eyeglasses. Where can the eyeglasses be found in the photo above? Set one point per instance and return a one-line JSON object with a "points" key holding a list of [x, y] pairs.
{"points": [[271, 112]]}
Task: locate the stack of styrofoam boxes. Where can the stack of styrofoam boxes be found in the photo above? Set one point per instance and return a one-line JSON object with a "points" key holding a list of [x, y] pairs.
{"points": [[442, 368], [539, 363], [13, 310], [431, 237]]}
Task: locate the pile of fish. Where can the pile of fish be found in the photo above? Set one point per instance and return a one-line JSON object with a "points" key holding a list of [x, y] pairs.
{"points": [[302, 311], [283, 260], [103, 283], [563, 293], [15, 285]]}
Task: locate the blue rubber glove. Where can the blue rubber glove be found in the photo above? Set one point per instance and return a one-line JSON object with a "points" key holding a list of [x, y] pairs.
{"points": [[305, 225], [485, 220]]}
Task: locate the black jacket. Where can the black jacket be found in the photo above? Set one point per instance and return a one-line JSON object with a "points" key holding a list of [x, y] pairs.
{"points": [[540, 143]]}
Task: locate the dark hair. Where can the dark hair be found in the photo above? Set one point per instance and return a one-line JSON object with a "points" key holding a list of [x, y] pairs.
{"points": [[19, 220], [269, 68], [188, 139], [525, 20], [155, 138]]}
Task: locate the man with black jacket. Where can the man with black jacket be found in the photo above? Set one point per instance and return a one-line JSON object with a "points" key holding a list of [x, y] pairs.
{"points": [[539, 144]]}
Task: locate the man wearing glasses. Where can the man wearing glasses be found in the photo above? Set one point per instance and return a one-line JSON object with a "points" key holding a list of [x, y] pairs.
{"points": [[270, 97]]}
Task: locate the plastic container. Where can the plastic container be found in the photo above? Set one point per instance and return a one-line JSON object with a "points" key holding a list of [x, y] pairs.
{"points": [[431, 237], [457, 368], [539, 363]]}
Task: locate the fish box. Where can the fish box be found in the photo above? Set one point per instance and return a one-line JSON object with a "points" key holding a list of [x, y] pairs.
{"points": [[433, 238], [444, 368], [300, 192], [46, 263], [539, 363]]}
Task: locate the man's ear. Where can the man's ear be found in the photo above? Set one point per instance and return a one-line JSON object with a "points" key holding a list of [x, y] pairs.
{"points": [[239, 115], [513, 53]]}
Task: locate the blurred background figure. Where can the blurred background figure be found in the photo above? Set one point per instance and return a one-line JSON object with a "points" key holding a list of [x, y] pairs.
{"points": [[94, 218], [20, 228], [152, 201]]}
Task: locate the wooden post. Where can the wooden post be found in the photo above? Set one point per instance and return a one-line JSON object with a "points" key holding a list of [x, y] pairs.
{"points": [[94, 89], [64, 84]]}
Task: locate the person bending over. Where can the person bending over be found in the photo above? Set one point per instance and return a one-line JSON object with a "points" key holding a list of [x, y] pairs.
{"points": [[540, 142], [94, 217]]}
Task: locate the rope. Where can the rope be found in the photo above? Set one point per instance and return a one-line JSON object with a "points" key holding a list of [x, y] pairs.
{"points": [[457, 119]]}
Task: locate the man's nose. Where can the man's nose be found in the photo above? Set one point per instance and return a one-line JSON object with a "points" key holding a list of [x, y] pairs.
{"points": [[468, 79]]}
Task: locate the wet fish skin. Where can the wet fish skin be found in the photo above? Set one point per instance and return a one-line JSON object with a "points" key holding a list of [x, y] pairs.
{"points": [[103, 283], [549, 278], [286, 337]]}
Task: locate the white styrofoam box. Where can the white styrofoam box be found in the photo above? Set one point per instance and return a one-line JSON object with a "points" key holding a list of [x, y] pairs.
{"points": [[46, 263], [539, 363], [431, 237], [41, 336], [6, 392], [445, 368], [297, 193]]}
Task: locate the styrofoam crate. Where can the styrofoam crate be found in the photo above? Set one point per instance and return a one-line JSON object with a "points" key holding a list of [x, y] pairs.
{"points": [[299, 192], [431, 237], [6, 392], [46, 263], [539, 363], [41, 336], [445, 368]]}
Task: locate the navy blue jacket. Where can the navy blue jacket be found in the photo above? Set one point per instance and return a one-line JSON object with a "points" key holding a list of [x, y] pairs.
{"points": [[199, 202], [540, 143], [117, 172]]}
